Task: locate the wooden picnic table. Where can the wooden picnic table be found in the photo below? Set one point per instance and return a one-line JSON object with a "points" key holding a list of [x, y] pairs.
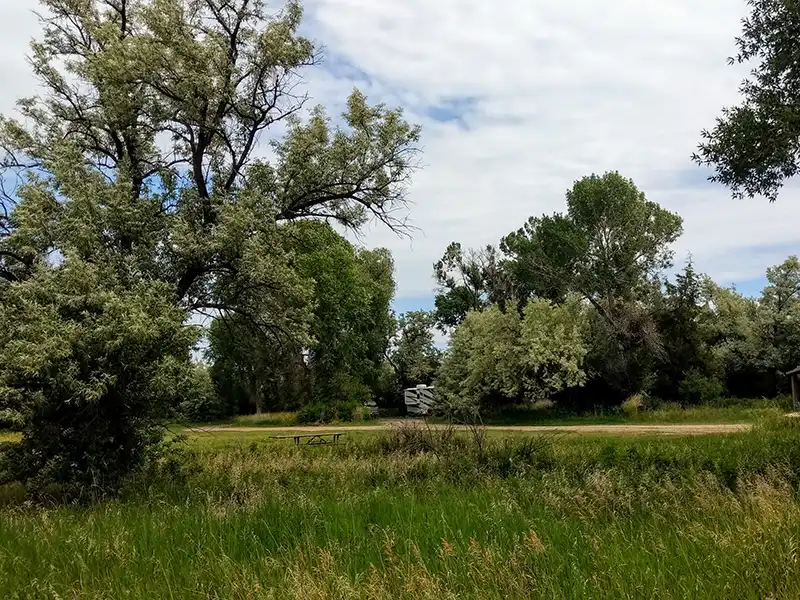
{"points": [[312, 439]]}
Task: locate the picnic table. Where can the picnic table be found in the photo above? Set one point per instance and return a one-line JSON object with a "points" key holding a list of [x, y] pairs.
{"points": [[311, 439]]}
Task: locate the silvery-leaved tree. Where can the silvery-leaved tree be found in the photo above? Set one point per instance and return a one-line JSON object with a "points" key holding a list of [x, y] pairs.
{"points": [[141, 186]]}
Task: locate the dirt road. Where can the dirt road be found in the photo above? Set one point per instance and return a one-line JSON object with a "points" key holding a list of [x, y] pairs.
{"points": [[671, 429]]}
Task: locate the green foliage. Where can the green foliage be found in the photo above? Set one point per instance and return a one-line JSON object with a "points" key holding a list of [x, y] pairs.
{"points": [[754, 342], [608, 248], [415, 356], [200, 402], [623, 349], [497, 358], [468, 280], [697, 388], [688, 365], [686, 339], [633, 405], [252, 372], [350, 291], [136, 167], [352, 325], [753, 147], [483, 362], [553, 347], [88, 365], [605, 248], [779, 316], [329, 412]]}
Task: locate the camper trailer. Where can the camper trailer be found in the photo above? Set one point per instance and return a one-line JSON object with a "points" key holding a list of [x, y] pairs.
{"points": [[419, 400]]}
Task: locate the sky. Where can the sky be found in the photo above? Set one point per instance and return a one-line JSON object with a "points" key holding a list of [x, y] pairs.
{"points": [[519, 99]]}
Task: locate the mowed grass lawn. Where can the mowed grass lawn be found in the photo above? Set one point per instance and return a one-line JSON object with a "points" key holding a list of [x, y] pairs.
{"points": [[428, 515]]}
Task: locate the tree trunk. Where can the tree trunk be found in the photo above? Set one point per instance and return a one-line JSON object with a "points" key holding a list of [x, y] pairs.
{"points": [[255, 398]]}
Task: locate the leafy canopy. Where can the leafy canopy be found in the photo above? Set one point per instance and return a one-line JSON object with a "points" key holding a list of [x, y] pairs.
{"points": [[415, 355], [755, 146], [468, 280], [607, 246], [498, 357], [142, 164]]}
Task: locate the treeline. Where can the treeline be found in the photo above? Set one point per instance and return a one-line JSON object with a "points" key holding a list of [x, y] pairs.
{"points": [[610, 322], [576, 307]]}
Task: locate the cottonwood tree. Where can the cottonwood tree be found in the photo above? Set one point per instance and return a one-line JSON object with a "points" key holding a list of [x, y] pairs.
{"points": [[609, 245], [351, 326], [609, 248], [138, 168], [415, 356], [754, 147], [469, 280]]}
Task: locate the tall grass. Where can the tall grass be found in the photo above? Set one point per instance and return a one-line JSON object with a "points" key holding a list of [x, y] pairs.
{"points": [[428, 514], [730, 410]]}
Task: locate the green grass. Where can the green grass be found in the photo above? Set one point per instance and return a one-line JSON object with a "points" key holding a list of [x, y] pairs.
{"points": [[729, 411], [241, 516], [277, 419]]}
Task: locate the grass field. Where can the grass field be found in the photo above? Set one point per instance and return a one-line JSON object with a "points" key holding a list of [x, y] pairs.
{"points": [[419, 514]]}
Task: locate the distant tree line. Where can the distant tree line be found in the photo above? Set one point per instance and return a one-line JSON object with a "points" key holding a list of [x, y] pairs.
{"points": [[632, 330]]}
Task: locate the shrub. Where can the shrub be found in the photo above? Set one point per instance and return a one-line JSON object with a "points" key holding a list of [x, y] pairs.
{"points": [[320, 412], [633, 405], [88, 368], [697, 388], [497, 358]]}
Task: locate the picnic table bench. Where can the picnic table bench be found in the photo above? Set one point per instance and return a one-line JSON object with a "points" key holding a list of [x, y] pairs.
{"points": [[311, 439]]}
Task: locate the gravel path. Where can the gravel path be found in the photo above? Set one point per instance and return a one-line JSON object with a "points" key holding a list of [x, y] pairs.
{"points": [[665, 429]]}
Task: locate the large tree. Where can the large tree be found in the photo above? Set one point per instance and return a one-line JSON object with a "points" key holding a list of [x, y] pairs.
{"points": [[608, 247], [755, 146], [140, 155], [415, 356], [350, 291], [351, 324]]}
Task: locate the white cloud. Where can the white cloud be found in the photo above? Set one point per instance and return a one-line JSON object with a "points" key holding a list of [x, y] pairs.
{"points": [[559, 90], [18, 25], [556, 91]]}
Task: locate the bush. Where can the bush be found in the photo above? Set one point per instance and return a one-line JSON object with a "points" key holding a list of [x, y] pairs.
{"points": [[11, 420], [320, 412], [697, 388], [90, 368], [633, 405], [498, 358]]}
